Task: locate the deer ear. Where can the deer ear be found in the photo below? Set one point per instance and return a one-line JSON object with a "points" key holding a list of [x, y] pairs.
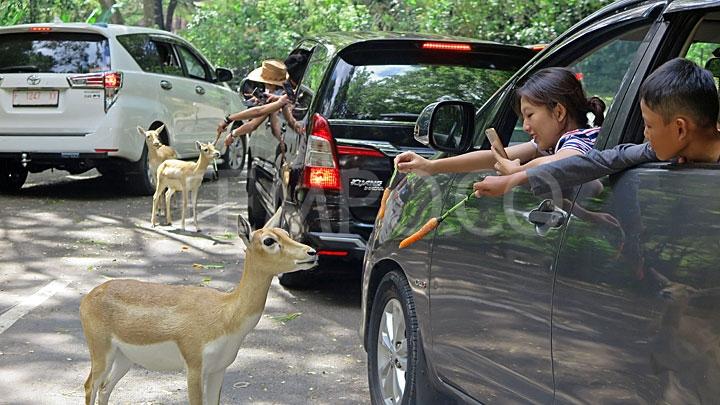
{"points": [[244, 230], [159, 130], [198, 145], [274, 220], [141, 131]]}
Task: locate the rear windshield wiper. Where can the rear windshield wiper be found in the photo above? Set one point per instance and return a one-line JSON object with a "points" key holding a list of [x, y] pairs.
{"points": [[407, 117], [20, 69]]}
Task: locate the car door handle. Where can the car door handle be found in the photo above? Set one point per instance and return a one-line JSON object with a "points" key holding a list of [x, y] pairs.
{"points": [[546, 216], [199, 90], [165, 84]]}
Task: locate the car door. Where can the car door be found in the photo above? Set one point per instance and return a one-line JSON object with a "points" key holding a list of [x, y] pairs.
{"points": [[210, 100], [178, 96], [635, 308], [492, 271]]}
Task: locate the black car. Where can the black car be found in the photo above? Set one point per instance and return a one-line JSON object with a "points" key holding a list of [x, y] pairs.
{"points": [[603, 295], [358, 101]]}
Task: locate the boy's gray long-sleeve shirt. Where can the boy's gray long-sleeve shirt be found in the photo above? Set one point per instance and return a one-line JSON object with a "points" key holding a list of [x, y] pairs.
{"points": [[576, 170]]}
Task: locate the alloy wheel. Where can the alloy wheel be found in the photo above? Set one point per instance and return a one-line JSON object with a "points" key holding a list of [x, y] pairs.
{"points": [[392, 353]]}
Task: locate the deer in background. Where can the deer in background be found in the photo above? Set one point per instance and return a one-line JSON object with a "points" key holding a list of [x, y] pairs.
{"points": [[178, 175], [163, 327], [157, 151]]}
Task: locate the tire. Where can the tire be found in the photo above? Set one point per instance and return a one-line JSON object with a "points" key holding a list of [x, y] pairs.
{"points": [[392, 360], [297, 280], [234, 156], [256, 213], [12, 176], [139, 179]]}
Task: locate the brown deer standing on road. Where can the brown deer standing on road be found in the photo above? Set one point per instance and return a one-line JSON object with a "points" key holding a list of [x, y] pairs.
{"points": [[178, 175], [164, 327]]}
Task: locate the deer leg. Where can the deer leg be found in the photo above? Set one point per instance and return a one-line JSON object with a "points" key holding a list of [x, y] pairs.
{"points": [[194, 206], [195, 386], [168, 212], [184, 207], [119, 368], [213, 381], [101, 358], [156, 199]]}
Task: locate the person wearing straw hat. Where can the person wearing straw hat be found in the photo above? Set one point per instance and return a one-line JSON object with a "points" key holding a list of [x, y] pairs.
{"points": [[272, 74]]}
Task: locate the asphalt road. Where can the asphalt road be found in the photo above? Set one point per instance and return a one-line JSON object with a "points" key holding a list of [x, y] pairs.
{"points": [[63, 235]]}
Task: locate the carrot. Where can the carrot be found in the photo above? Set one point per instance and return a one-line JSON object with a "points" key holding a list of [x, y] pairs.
{"points": [[426, 229], [383, 202]]}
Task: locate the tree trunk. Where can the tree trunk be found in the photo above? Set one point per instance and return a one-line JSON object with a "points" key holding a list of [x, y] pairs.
{"points": [[158, 10], [169, 15], [148, 13]]}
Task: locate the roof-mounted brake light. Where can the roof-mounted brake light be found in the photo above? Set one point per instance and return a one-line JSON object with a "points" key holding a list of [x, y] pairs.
{"points": [[40, 29], [446, 46]]}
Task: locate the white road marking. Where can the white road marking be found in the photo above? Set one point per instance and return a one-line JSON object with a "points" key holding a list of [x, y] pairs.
{"points": [[216, 209], [14, 314]]}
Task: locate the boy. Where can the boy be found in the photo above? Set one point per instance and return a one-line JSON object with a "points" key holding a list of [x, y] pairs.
{"points": [[679, 104]]}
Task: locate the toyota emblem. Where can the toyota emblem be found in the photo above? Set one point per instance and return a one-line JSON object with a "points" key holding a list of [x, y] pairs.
{"points": [[33, 80]]}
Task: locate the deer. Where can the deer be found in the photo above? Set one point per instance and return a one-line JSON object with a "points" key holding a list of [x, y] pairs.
{"points": [[178, 175], [157, 151], [170, 327]]}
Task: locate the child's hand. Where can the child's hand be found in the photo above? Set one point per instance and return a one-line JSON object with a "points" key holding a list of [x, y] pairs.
{"points": [[505, 166], [493, 186], [411, 162]]}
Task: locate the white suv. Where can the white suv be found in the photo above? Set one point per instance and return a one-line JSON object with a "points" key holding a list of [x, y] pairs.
{"points": [[72, 95]]}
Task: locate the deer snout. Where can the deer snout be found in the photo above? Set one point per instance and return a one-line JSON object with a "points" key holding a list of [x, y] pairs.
{"points": [[312, 253]]}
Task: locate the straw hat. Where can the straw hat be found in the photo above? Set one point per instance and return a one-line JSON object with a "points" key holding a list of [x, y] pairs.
{"points": [[271, 72]]}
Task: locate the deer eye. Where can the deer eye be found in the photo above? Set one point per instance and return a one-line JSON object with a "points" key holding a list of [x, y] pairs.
{"points": [[269, 242]]}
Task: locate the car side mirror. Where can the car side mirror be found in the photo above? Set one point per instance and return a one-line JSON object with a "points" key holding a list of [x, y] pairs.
{"points": [[446, 126], [223, 75]]}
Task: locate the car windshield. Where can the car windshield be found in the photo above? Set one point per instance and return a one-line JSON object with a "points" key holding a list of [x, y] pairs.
{"points": [[400, 92], [54, 52]]}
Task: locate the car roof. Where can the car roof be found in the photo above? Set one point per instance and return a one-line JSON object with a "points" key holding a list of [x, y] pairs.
{"points": [[105, 29], [337, 41]]}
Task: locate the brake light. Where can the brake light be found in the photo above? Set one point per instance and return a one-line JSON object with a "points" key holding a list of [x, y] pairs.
{"points": [[357, 151], [40, 29], [332, 253], [110, 81], [321, 164], [113, 80], [446, 46]]}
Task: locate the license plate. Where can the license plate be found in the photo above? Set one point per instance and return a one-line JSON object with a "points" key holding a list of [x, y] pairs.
{"points": [[35, 98]]}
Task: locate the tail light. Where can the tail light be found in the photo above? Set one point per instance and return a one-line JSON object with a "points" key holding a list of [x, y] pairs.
{"points": [[321, 163], [110, 81]]}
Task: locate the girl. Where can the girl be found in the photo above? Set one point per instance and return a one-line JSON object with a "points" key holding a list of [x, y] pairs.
{"points": [[554, 110]]}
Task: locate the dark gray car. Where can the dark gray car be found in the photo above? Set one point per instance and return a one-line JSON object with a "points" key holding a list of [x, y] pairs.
{"points": [[609, 293]]}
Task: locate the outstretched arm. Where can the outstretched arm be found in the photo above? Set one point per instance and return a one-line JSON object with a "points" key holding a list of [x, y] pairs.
{"points": [[569, 172], [580, 169]]}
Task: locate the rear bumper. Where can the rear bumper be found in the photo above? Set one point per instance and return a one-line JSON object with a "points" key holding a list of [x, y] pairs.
{"points": [[74, 162], [337, 247]]}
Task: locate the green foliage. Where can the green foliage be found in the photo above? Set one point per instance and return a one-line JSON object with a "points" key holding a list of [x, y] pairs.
{"points": [[239, 34]]}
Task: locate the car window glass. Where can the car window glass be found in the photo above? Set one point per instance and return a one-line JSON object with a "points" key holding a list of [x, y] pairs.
{"points": [[704, 47], [195, 67], [310, 81], [400, 92], [169, 63], [601, 72], [54, 52], [143, 51]]}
